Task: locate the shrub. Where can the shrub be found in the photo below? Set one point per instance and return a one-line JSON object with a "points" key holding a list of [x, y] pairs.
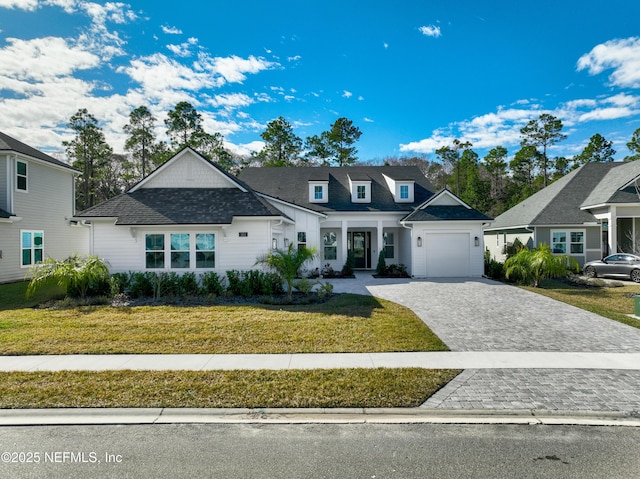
{"points": [[212, 283], [287, 263], [494, 270], [350, 264], [304, 285], [325, 289], [119, 283], [381, 268], [188, 284], [141, 285], [79, 277]]}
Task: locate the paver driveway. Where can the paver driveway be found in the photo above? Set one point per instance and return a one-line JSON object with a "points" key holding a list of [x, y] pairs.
{"points": [[484, 315]]}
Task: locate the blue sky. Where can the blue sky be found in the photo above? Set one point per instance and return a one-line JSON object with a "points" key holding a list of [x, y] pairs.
{"points": [[412, 75]]}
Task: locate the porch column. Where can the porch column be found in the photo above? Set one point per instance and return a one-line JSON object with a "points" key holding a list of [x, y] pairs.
{"points": [[612, 237], [374, 260], [343, 245]]}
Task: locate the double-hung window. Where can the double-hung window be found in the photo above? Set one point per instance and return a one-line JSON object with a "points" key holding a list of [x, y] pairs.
{"points": [[389, 245], [404, 192], [567, 242], [302, 240], [31, 247], [330, 244], [205, 250], [21, 176]]}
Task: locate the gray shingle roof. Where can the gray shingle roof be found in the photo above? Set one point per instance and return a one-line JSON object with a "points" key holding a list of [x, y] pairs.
{"points": [[559, 203], [446, 213], [4, 214], [173, 206], [8, 143], [292, 185], [610, 189]]}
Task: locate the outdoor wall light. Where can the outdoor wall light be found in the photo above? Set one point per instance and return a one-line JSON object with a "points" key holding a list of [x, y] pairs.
{"points": [[476, 241], [419, 242], [286, 243], [274, 243]]}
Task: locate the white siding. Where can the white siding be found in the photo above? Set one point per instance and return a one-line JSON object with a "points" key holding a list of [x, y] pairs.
{"points": [[124, 247], [47, 206]]}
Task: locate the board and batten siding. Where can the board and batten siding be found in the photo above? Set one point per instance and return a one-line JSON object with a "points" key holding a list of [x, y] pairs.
{"points": [[189, 172]]}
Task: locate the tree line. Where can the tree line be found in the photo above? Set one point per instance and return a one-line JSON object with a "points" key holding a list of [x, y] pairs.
{"points": [[492, 184]]}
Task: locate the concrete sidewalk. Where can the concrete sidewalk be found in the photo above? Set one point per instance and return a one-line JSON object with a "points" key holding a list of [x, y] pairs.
{"points": [[427, 360]]}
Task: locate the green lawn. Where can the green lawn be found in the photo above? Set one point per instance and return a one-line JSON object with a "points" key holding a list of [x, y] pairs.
{"points": [[612, 303], [345, 323], [407, 387]]}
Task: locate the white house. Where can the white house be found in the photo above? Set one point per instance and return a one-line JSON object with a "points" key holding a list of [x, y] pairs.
{"points": [[36, 210], [189, 215]]}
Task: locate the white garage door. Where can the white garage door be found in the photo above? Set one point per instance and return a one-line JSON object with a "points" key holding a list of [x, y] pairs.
{"points": [[447, 255]]}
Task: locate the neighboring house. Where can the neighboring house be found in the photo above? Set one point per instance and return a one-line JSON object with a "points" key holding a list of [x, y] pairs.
{"points": [[36, 209], [589, 213], [189, 215]]}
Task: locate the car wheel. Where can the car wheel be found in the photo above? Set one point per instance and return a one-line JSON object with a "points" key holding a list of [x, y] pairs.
{"points": [[590, 272], [635, 276]]}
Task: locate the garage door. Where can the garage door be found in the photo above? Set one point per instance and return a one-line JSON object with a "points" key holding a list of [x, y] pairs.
{"points": [[447, 255]]}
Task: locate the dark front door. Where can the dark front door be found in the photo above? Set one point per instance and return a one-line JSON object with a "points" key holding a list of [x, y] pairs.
{"points": [[360, 244]]}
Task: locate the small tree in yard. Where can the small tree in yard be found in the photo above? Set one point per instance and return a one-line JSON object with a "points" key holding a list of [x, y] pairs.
{"points": [[76, 275], [531, 266], [287, 263]]}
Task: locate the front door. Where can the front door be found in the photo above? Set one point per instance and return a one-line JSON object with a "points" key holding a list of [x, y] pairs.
{"points": [[360, 243]]}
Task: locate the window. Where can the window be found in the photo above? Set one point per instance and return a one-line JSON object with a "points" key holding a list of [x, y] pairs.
{"points": [[21, 175], [205, 250], [404, 192], [154, 251], [302, 239], [361, 192], [180, 250], [389, 245], [185, 250], [317, 192], [32, 247], [330, 243], [571, 242]]}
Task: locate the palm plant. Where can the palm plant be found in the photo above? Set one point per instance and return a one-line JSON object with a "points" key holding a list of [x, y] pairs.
{"points": [[531, 266], [287, 263], [76, 275]]}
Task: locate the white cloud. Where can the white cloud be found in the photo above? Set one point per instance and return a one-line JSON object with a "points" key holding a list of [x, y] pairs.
{"points": [[385, 45], [431, 31], [620, 55], [231, 100], [607, 114], [29, 5], [294, 58], [184, 49], [43, 58], [170, 30], [368, 120], [245, 149], [347, 94]]}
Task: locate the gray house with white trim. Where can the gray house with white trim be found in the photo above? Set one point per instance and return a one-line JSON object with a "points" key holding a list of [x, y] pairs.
{"points": [[589, 213]]}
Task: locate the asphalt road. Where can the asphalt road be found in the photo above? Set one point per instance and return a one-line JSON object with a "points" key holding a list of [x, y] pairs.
{"points": [[368, 451]]}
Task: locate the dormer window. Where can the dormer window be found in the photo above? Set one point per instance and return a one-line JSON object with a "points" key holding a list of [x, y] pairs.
{"points": [[360, 191], [404, 192], [318, 192]]}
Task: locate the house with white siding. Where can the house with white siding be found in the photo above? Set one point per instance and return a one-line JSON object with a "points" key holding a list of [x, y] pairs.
{"points": [[37, 206], [189, 215]]}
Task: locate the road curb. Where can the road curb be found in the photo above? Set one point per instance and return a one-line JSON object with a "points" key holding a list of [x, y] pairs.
{"points": [[150, 416]]}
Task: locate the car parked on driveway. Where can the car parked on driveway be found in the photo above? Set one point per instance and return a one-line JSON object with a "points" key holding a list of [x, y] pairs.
{"points": [[617, 265]]}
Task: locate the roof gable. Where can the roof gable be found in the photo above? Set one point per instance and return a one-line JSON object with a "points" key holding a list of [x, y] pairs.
{"points": [[617, 186], [559, 203], [445, 206], [188, 169], [9, 144]]}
